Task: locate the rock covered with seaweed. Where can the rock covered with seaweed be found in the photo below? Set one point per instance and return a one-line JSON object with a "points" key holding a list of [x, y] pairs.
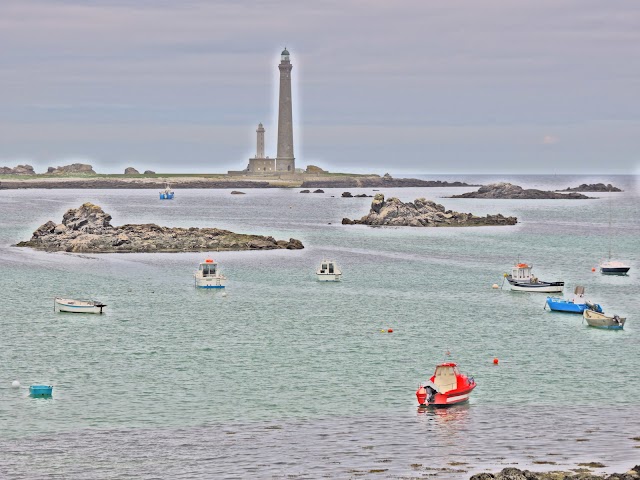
{"points": [[88, 229], [517, 474], [504, 190], [422, 213], [592, 187]]}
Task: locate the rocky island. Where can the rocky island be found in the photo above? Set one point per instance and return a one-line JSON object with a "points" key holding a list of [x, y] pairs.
{"points": [[19, 170], [88, 230], [592, 187], [422, 213], [505, 190]]}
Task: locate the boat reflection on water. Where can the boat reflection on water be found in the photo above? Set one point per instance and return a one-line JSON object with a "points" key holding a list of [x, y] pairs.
{"points": [[445, 420], [449, 432], [453, 414]]}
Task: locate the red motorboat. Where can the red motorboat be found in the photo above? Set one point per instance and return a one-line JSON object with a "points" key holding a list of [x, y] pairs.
{"points": [[446, 387]]}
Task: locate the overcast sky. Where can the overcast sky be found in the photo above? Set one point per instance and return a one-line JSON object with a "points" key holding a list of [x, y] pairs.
{"points": [[420, 86]]}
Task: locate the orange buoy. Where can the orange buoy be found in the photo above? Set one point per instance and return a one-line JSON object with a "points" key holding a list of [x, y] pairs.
{"points": [[495, 361], [390, 330], [593, 269]]}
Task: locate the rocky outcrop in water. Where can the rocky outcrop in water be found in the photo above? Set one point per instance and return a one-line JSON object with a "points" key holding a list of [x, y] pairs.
{"points": [[19, 170], [75, 168], [350, 195], [236, 192], [505, 190], [149, 172], [422, 213], [592, 187], [131, 171], [517, 474], [88, 229]]}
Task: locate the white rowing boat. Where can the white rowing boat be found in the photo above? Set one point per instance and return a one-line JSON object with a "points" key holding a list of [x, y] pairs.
{"points": [[77, 306]]}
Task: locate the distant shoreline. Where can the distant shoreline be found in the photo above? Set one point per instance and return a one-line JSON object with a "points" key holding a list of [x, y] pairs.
{"points": [[214, 181]]}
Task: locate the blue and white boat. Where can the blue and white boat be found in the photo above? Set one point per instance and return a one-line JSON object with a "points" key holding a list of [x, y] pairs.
{"points": [[577, 304], [167, 193], [208, 275]]}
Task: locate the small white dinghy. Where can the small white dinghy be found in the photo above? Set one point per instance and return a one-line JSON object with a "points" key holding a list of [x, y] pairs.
{"points": [[77, 306], [328, 272], [208, 275]]}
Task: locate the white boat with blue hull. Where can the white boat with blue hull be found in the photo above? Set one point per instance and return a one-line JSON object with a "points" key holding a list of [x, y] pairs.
{"points": [[614, 268], [522, 280], [77, 306], [208, 275]]}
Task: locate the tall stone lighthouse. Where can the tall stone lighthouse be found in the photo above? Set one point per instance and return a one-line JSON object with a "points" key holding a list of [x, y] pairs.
{"points": [[285, 161]]}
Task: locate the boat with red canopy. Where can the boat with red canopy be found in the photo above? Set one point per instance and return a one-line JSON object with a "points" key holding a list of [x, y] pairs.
{"points": [[446, 387]]}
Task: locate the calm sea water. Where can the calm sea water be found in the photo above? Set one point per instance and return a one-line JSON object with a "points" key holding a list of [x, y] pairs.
{"points": [[286, 377]]}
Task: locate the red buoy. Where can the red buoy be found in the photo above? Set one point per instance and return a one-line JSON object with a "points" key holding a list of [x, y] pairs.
{"points": [[421, 395], [593, 269], [495, 361], [390, 330]]}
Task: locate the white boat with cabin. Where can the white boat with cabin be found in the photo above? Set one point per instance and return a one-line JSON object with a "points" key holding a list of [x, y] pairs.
{"points": [[77, 306], [328, 271], [614, 267], [522, 280], [208, 275]]}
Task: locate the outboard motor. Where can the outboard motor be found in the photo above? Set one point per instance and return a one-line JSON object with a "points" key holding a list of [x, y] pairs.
{"points": [[590, 305], [421, 394], [432, 394]]}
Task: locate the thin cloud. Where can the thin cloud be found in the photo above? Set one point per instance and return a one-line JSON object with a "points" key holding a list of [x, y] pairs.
{"points": [[387, 72]]}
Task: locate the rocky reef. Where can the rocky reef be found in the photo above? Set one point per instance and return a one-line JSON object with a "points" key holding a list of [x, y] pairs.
{"points": [[374, 181], [88, 229], [517, 474], [505, 190], [19, 170], [422, 213], [592, 187], [131, 171], [74, 168]]}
